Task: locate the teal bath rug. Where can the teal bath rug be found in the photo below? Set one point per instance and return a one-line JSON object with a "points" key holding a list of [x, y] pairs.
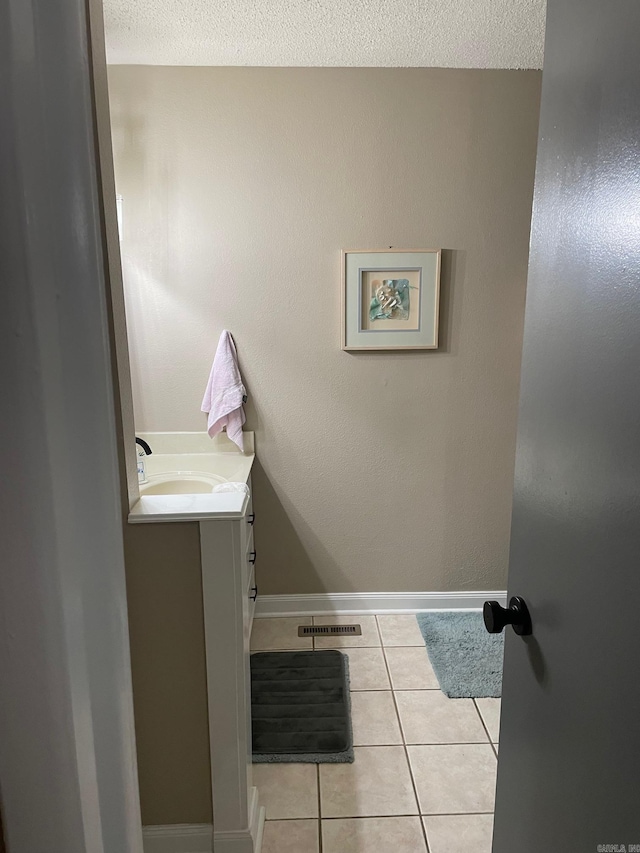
{"points": [[300, 709], [466, 659]]}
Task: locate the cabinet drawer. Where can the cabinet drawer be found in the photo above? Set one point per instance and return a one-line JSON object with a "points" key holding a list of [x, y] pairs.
{"points": [[250, 558], [250, 517], [246, 526], [252, 594], [250, 504], [250, 542]]}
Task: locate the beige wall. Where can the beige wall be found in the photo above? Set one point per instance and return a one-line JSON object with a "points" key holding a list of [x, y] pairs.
{"points": [[241, 185], [164, 593], [375, 471]]}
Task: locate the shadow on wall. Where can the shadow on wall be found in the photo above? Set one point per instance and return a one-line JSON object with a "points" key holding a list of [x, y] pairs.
{"points": [[281, 550], [452, 273], [287, 546]]}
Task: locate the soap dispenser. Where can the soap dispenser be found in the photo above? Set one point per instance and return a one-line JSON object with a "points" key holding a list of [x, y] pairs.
{"points": [[142, 450]]}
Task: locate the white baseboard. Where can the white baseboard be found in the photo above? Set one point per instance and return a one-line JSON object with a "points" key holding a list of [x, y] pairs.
{"points": [[199, 837], [178, 838], [243, 840], [372, 602]]}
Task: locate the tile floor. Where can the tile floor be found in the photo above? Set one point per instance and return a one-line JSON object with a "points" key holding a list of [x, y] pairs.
{"points": [[424, 774]]}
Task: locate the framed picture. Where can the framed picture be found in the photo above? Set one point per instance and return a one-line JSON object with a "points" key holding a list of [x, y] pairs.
{"points": [[390, 299]]}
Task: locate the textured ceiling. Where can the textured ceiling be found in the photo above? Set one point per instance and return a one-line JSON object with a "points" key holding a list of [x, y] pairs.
{"points": [[440, 33]]}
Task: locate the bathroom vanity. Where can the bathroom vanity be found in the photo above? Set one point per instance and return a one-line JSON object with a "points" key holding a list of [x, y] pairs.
{"points": [[181, 473]]}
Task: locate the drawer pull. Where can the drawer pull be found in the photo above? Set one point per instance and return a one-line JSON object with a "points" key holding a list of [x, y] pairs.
{"points": [[252, 557], [254, 590], [251, 518]]}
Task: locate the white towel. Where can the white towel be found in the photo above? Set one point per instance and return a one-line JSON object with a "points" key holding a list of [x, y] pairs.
{"points": [[224, 395]]}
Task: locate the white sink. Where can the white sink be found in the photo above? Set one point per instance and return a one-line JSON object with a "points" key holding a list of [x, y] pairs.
{"points": [[181, 483], [183, 471]]}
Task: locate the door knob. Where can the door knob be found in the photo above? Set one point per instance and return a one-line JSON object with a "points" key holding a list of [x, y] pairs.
{"points": [[516, 614]]}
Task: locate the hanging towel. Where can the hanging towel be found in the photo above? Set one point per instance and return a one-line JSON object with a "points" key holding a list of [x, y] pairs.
{"points": [[225, 393]]}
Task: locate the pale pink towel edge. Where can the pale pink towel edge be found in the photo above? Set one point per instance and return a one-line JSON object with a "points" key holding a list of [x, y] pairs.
{"points": [[232, 415]]}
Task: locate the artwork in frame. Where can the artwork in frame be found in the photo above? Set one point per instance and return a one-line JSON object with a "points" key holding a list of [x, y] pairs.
{"points": [[390, 299]]}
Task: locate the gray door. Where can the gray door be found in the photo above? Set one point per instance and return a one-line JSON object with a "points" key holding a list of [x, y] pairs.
{"points": [[569, 759]]}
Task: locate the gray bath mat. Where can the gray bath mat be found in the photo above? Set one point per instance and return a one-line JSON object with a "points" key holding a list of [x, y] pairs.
{"points": [[466, 659], [300, 709]]}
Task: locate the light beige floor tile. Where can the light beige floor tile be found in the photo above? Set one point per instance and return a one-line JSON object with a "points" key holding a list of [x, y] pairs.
{"points": [[279, 634], [369, 637], [287, 790], [490, 710], [400, 630], [457, 779], [373, 835], [378, 783], [410, 668], [290, 836], [428, 716], [374, 718], [367, 670], [468, 833]]}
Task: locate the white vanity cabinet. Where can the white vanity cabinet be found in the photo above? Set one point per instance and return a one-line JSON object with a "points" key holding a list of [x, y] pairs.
{"points": [[229, 593], [178, 461]]}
